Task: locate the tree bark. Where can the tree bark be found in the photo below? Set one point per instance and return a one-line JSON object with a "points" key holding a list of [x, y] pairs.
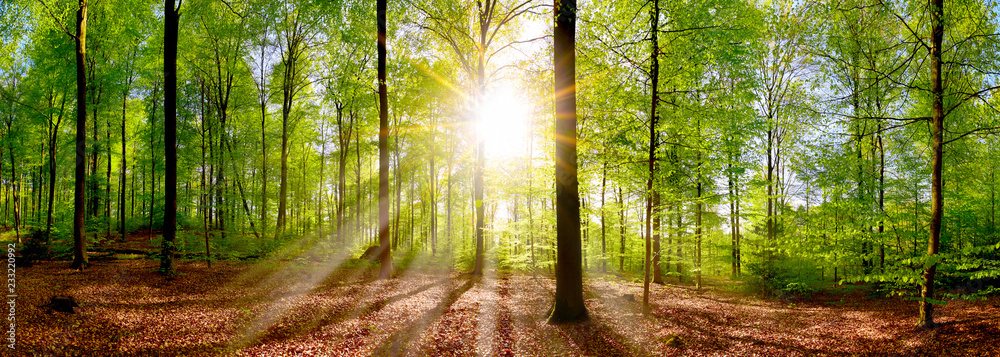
{"points": [[167, 249], [53, 135], [292, 42], [654, 74], [385, 259], [604, 231], [121, 185], [433, 187], [568, 305], [80, 260], [937, 153]]}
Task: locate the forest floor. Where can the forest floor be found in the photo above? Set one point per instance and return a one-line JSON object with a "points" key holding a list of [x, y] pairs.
{"points": [[300, 307]]}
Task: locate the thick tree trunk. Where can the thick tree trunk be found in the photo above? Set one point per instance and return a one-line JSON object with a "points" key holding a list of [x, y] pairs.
{"points": [[170, 137], [80, 260], [385, 259], [568, 305]]}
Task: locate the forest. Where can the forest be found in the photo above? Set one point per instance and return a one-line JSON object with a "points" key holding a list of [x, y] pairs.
{"points": [[500, 177]]}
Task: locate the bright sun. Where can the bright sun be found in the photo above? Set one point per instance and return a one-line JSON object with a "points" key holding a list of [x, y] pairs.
{"points": [[504, 123]]}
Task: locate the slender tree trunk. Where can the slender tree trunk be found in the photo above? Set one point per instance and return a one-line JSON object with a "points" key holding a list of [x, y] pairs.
{"points": [[205, 210], [621, 225], [654, 74], [433, 193], [107, 187], [680, 245], [322, 178], [262, 96], [152, 160], [732, 219], [769, 220], [357, 206], [604, 230], [92, 185], [657, 273], [15, 187], [121, 184], [881, 199], [698, 226], [937, 153], [399, 187], [53, 135], [451, 159], [292, 42]]}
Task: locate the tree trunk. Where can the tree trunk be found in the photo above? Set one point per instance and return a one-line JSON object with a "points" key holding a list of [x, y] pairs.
{"points": [[732, 218], [383, 148], [698, 227], [80, 260], [654, 71], [568, 305], [121, 184], [292, 42], [15, 185], [937, 153], [204, 210], [604, 231], [170, 137], [53, 135], [621, 226], [433, 187], [680, 246]]}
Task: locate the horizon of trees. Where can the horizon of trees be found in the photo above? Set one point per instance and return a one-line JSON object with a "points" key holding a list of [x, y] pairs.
{"points": [[782, 142]]}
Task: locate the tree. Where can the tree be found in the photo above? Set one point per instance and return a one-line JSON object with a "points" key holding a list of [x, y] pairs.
{"points": [[449, 24], [568, 305], [652, 198], [170, 20], [385, 258], [80, 260]]}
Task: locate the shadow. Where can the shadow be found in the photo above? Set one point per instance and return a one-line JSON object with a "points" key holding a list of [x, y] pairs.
{"points": [[596, 338], [395, 344], [965, 322], [331, 316], [717, 338], [504, 345]]}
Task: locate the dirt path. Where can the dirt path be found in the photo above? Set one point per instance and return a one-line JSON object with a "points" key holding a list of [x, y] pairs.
{"points": [[304, 308]]}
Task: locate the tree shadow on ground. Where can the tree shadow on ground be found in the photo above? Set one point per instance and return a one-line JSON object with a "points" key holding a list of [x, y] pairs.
{"points": [[711, 338], [336, 314], [396, 344], [595, 338]]}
